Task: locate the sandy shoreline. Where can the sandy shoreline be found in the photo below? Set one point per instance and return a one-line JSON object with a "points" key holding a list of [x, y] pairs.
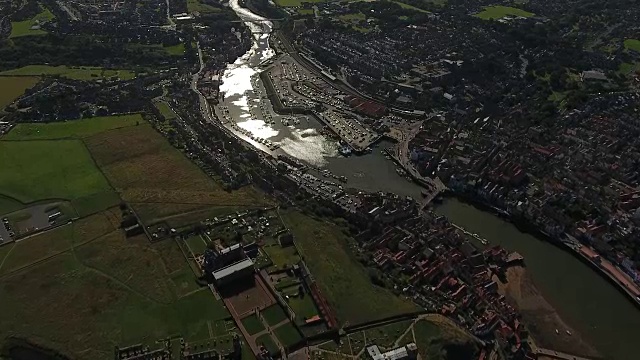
{"points": [[540, 317]]}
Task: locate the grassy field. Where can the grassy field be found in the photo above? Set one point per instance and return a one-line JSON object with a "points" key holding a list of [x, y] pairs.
{"points": [[282, 257], [632, 44], [175, 50], [288, 335], [83, 288], [71, 72], [36, 170], [385, 336], [323, 247], [8, 204], [252, 324], [304, 308], [14, 86], [201, 7], [498, 12], [23, 28], [434, 338], [293, 3], [149, 172], [165, 110], [274, 315], [196, 244], [74, 129]]}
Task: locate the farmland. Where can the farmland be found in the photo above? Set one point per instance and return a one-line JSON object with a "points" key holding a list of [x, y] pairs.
{"points": [[72, 129], [23, 28], [13, 86], [71, 72], [51, 169], [498, 12], [323, 248], [77, 302], [152, 175]]}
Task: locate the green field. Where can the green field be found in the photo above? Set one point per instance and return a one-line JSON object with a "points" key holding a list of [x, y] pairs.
{"points": [[201, 7], [23, 28], [273, 315], [432, 337], [304, 308], [165, 110], [323, 247], [266, 341], [499, 11], [627, 68], [156, 178], [71, 72], [73, 129], [14, 86], [175, 50], [287, 335], [282, 257], [632, 44], [103, 291], [37, 170], [293, 3], [196, 244], [252, 324]]}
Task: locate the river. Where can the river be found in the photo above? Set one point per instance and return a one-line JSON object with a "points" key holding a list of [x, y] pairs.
{"points": [[601, 313], [581, 296]]}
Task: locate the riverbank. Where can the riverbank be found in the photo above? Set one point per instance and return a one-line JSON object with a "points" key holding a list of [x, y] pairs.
{"points": [[540, 317], [605, 269]]}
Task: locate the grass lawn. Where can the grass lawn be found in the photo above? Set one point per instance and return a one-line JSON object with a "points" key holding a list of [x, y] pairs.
{"points": [[498, 12], [292, 3], [37, 170], [266, 341], [305, 11], [627, 68], [252, 324], [282, 257], [433, 336], [201, 7], [84, 312], [385, 336], [14, 86], [72, 129], [71, 72], [355, 17], [8, 205], [273, 315], [196, 244], [176, 50], [288, 335], [304, 308], [23, 28], [632, 44], [324, 249], [165, 110], [147, 170]]}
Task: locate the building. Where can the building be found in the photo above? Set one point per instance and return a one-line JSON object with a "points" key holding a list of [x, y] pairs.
{"points": [[406, 352], [234, 272]]}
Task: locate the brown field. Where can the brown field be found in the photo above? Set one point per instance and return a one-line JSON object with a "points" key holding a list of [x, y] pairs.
{"points": [[42, 246], [540, 317], [14, 86], [157, 178], [109, 253], [257, 296]]}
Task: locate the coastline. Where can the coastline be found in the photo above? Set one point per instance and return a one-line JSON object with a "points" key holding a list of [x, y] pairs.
{"points": [[541, 318], [529, 228]]}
